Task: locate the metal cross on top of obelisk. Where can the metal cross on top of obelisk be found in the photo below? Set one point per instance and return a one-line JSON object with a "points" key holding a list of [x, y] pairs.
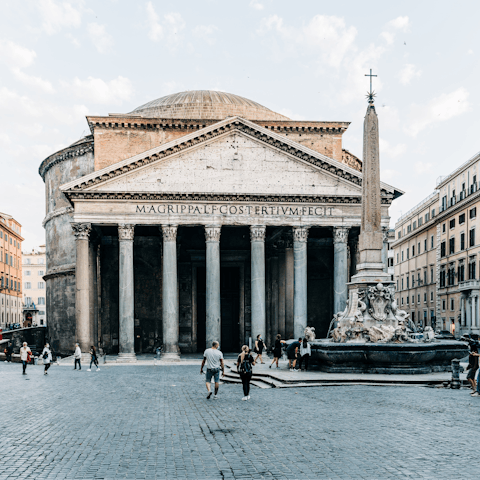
{"points": [[371, 93]]}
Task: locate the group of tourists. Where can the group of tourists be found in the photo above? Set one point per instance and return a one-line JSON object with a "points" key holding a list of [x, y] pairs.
{"points": [[297, 351]]}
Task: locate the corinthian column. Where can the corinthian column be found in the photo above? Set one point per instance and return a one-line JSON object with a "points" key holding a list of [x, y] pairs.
{"points": [[84, 331], [340, 268], [213, 325], [300, 236], [126, 350], [257, 241], [170, 312]]}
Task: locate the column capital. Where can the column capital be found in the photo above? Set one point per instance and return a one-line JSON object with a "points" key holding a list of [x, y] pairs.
{"points": [[125, 231], [340, 234], [212, 233], [169, 232], [300, 234], [257, 233], [81, 230]]}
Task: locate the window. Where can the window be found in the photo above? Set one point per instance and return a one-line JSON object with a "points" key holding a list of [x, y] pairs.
{"points": [[413, 281], [451, 274], [413, 299], [427, 217], [431, 296], [41, 284], [397, 285], [402, 300], [408, 282], [413, 250], [461, 272], [420, 221], [408, 298], [444, 305], [461, 219], [425, 277], [28, 300], [41, 261], [471, 238], [408, 256], [402, 255], [425, 245], [41, 273], [418, 298], [28, 261], [41, 312], [41, 300], [462, 241], [414, 224], [431, 241], [444, 229], [402, 283], [27, 285], [399, 234], [27, 273], [443, 275], [452, 223], [433, 212], [452, 304], [397, 257], [451, 245], [473, 212], [472, 270], [41, 321], [425, 297]]}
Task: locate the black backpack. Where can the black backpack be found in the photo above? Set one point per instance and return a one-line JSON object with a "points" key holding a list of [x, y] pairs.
{"points": [[245, 366]]}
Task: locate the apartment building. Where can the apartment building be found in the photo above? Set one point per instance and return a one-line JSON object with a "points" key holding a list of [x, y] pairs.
{"points": [[415, 256], [436, 254], [33, 267], [10, 271]]}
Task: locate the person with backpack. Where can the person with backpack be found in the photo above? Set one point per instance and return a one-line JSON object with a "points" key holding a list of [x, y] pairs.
{"points": [[305, 353], [245, 364], [47, 358], [93, 359]]}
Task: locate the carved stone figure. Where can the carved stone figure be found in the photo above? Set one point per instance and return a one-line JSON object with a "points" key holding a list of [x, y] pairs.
{"points": [[309, 333]]}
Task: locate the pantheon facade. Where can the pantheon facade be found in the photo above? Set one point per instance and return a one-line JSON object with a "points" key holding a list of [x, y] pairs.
{"points": [[200, 216]]}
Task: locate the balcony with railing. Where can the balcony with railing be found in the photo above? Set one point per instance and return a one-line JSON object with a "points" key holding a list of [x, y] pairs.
{"points": [[468, 285]]}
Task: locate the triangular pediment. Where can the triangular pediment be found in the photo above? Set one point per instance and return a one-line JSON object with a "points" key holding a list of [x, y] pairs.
{"points": [[234, 156]]}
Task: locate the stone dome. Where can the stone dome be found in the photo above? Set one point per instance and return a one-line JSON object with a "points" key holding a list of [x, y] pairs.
{"points": [[206, 104]]}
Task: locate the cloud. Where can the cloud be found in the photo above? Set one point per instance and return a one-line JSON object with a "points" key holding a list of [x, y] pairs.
{"points": [[206, 33], [392, 27], [56, 15], [391, 150], [389, 175], [99, 37], [407, 73], [256, 5], [442, 108], [168, 27], [327, 35], [423, 167], [33, 81], [99, 91], [16, 56]]}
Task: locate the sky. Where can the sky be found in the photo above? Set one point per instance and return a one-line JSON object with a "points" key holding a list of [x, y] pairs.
{"points": [[63, 60]]}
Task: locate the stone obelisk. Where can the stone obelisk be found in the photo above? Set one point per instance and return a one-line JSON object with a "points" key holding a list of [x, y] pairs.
{"points": [[370, 268]]}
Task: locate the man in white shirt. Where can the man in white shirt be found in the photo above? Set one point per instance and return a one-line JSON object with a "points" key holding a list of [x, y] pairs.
{"points": [[25, 353], [78, 357], [213, 357]]}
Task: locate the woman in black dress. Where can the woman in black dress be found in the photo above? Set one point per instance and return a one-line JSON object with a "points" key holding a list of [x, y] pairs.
{"points": [[259, 346], [244, 368], [277, 350]]}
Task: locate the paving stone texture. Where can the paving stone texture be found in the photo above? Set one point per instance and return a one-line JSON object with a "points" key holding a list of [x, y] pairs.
{"points": [[154, 422]]}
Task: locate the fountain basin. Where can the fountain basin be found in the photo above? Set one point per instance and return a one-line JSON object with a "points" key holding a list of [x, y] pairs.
{"points": [[386, 358]]}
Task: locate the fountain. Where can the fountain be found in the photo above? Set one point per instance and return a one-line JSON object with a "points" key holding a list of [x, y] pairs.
{"points": [[371, 335]]}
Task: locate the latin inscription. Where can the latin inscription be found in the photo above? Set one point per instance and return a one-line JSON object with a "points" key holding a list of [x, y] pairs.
{"points": [[222, 209]]}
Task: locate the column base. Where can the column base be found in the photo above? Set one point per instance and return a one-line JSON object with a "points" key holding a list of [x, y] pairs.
{"points": [[171, 357], [126, 358]]}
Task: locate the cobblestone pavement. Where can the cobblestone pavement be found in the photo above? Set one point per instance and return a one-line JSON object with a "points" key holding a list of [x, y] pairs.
{"points": [[131, 422]]}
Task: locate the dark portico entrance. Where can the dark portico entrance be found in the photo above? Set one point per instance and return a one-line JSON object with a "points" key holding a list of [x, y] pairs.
{"points": [[230, 308]]}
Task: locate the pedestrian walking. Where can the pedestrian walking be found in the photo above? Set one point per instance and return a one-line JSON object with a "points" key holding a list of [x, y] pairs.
{"points": [[292, 352], [472, 366], [476, 393], [245, 364], [305, 353], [259, 346], [213, 357], [8, 353], [25, 356], [93, 359], [47, 358], [277, 350], [78, 357]]}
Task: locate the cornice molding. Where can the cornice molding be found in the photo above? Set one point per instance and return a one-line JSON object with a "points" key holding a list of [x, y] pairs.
{"points": [[56, 213], [246, 127], [62, 270], [69, 152], [221, 197]]}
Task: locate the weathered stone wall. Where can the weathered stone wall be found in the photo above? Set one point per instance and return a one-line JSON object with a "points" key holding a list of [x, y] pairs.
{"points": [[118, 138], [60, 168]]}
